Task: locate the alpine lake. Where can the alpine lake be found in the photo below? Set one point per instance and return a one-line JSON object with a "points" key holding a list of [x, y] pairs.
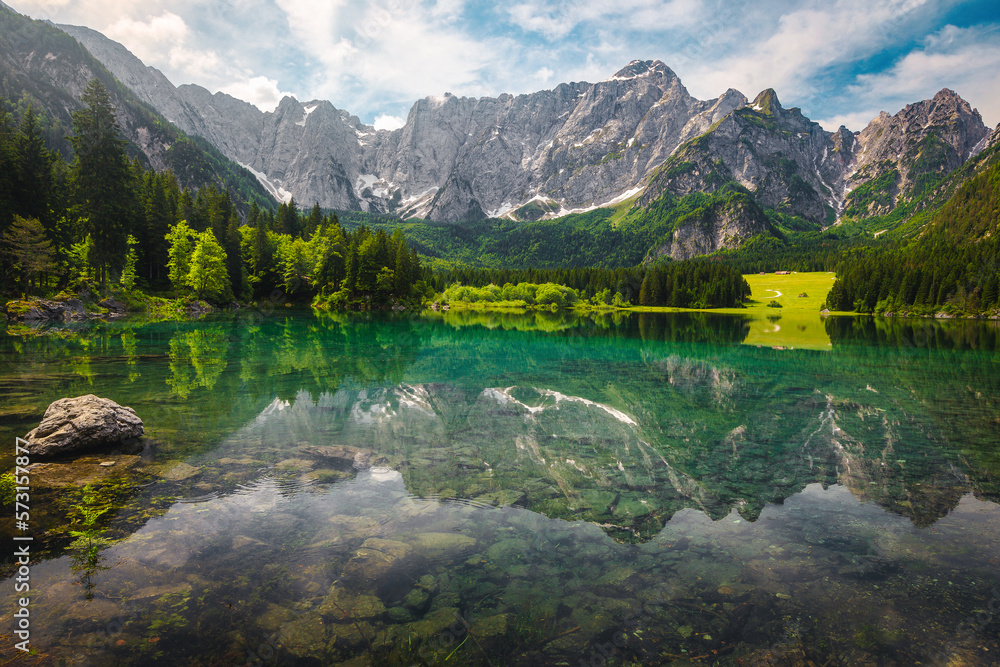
{"points": [[533, 489]]}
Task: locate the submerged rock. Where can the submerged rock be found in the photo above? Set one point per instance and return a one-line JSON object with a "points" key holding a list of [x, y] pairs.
{"points": [[304, 637], [70, 424], [373, 560], [342, 457]]}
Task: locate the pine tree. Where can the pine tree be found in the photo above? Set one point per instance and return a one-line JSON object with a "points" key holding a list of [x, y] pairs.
{"points": [[314, 221], [8, 168], [288, 219], [28, 250], [644, 291], [234, 264], [103, 178], [34, 173]]}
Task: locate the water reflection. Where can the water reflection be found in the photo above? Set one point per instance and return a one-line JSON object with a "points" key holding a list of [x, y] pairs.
{"points": [[646, 490]]}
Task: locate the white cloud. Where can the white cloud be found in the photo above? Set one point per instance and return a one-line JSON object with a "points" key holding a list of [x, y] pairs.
{"points": [[854, 121], [967, 60], [398, 52], [377, 56], [149, 40], [387, 122], [259, 90], [805, 42], [544, 75], [559, 19]]}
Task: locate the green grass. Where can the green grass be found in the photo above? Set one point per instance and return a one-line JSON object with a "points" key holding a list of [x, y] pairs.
{"points": [[797, 324]]}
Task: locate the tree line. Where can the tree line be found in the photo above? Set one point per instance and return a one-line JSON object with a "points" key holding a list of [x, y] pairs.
{"points": [[695, 283], [103, 220], [954, 266]]}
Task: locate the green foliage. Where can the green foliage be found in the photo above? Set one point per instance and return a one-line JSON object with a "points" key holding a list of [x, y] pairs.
{"points": [[208, 276], [521, 295], [27, 250], [7, 484], [102, 178], [181, 240], [128, 272], [954, 266], [774, 304], [878, 193], [691, 283]]}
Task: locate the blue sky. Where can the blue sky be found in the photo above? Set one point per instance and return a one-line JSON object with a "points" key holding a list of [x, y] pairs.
{"points": [[841, 61]]}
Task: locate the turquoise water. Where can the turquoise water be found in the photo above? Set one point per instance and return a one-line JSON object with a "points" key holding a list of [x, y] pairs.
{"points": [[542, 489]]}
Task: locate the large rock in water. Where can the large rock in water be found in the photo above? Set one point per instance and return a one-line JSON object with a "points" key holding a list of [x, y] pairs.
{"points": [[70, 424]]}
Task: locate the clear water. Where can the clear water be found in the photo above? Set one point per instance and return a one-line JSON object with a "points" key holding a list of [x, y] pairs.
{"points": [[545, 490]]}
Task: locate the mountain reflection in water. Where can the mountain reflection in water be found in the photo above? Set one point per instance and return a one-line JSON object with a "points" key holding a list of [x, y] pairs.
{"points": [[632, 489]]}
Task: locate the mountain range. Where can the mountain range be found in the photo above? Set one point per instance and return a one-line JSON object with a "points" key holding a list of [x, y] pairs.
{"points": [[633, 141]]}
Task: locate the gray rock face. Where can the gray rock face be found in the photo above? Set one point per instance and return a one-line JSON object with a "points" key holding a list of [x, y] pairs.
{"points": [[792, 165], [923, 141], [726, 225], [788, 162], [569, 149], [70, 424], [575, 147]]}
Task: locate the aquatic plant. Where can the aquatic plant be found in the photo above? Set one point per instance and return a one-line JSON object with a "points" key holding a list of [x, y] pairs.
{"points": [[89, 541], [7, 488]]}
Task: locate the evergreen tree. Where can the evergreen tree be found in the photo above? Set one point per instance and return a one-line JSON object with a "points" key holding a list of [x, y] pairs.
{"points": [[288, 219], [234, 263], [34, 173], [102, 178], [314, 221], [29, 252], [8, 168]]}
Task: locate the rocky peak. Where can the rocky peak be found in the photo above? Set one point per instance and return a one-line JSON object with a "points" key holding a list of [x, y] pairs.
{"points": [[641, 68], [994, 138], [911, 149], [767, 103]]}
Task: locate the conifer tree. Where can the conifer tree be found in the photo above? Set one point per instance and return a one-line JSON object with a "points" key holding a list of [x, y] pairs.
{"points": [[102, 178], [27, 249]]}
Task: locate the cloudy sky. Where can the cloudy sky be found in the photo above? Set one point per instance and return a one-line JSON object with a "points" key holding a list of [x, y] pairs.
{"points": [[841, 61]]}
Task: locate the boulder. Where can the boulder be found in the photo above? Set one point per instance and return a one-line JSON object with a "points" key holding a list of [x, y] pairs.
{"points": [[114, 305], [71, 424], [35, 310]]}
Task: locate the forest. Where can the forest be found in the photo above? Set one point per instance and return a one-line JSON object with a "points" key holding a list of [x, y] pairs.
{"points": [[104, 220], [954, 266], [697, 283]]}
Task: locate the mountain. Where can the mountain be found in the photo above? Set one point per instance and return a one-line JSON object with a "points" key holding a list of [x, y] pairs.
{"points": [[794, 166], [637, 142], [44, 67], [572, 148]]}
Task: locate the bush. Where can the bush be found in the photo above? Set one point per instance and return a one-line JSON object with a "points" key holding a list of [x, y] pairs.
{"points": [[774, 304]]}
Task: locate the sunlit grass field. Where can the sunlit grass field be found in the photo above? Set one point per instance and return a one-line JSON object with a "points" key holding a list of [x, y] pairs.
{"points": [[797, 324]]}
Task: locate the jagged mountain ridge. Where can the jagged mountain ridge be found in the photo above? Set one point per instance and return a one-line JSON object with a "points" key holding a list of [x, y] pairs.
{"points": [[43, 64], [572, 148]]}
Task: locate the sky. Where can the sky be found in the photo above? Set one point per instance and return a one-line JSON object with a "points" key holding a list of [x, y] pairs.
{"points": [[840, 61]]}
